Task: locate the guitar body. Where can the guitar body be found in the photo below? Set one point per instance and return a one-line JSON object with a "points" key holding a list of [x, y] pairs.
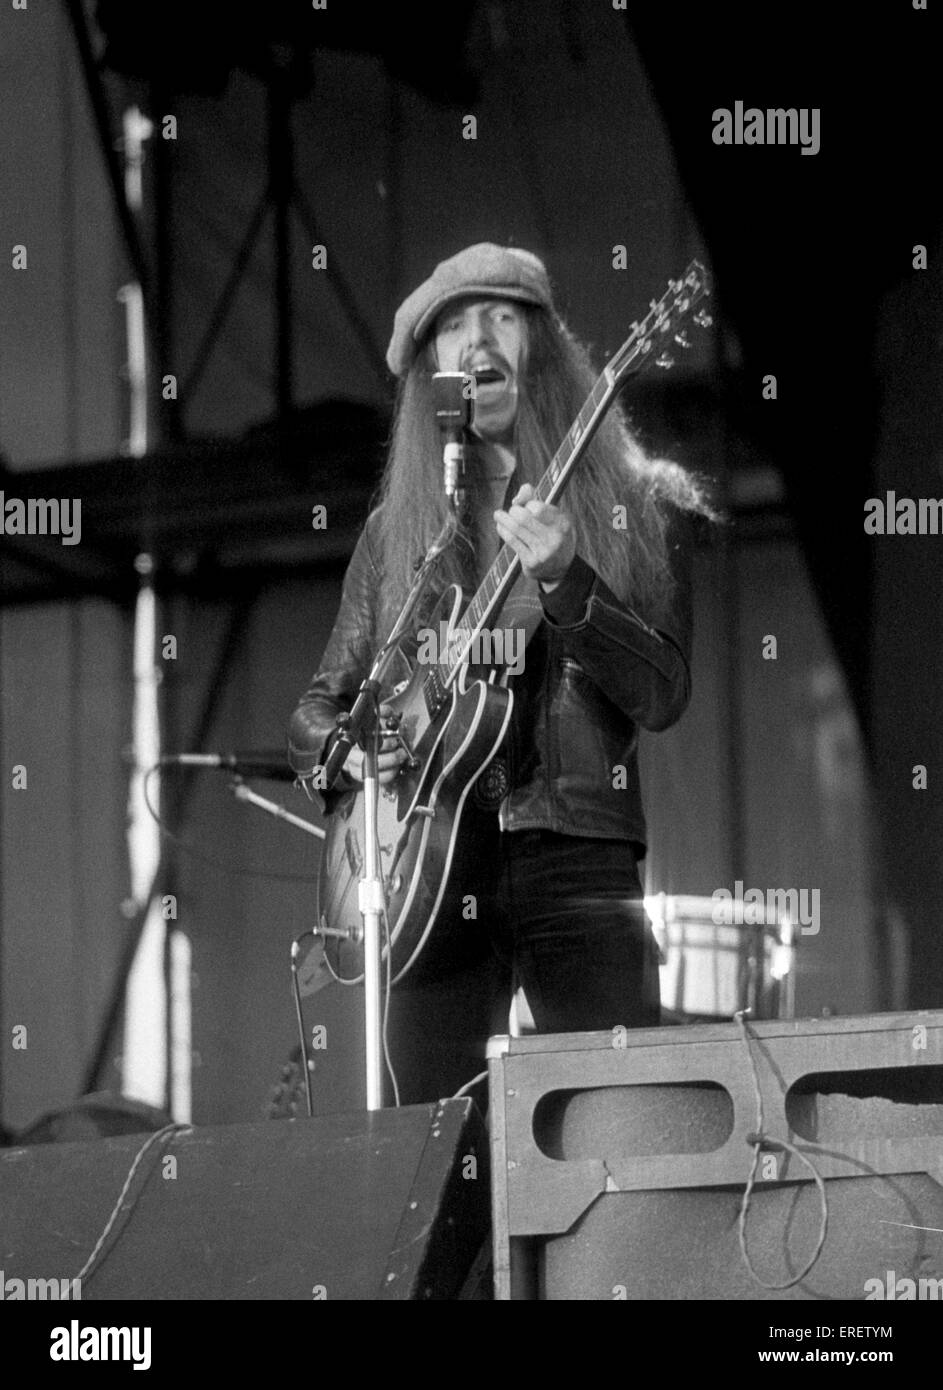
{"points": [[431, 832]]}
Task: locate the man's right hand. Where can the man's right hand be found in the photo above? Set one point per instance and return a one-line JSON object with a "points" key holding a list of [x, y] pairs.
{"points": [[390, 760]]}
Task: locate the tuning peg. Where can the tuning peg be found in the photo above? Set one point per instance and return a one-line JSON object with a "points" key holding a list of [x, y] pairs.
{"points": [[703, 318], [682, 339], [665, 360]]}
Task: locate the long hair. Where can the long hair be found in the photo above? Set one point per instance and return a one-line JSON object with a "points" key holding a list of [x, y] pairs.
{"points": [[616, 498]]}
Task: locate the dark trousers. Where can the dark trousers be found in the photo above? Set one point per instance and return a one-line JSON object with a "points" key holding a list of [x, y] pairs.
{"points": [[562, 916]]}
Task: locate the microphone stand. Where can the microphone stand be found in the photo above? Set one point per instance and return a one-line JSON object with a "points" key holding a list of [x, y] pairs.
{"points": [[361, 725], [243, 793]]}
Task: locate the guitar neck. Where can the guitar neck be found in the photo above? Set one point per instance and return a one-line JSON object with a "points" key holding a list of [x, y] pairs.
{"points": [[657, 328], [495, 586]]}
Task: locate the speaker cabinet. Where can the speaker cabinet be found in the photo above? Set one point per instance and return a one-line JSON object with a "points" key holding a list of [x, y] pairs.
{"points": [[385, 1205], [620, 1160]]}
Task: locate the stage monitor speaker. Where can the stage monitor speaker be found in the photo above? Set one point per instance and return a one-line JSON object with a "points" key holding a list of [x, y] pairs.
{"points": [[385, 1205], [621, 1160]]}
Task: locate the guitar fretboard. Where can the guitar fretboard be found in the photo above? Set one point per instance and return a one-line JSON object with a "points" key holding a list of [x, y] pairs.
{"points": [[494, 588]]}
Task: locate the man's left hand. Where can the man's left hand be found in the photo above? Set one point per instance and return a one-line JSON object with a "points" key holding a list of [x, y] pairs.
{"points": [[540, 534]]}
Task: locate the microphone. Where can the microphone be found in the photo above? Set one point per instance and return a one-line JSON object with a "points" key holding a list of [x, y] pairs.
{"points": [[454, 412], [269, 763]]}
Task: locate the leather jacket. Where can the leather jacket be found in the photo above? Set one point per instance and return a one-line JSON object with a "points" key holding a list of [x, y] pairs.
{"points": [[595, 673]]}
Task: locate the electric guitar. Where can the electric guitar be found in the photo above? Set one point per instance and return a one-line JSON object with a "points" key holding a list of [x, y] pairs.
{"points": [[454, 721]]}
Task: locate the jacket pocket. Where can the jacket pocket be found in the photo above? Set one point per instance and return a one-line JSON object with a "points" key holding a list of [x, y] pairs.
{"points": [[588, 734]]}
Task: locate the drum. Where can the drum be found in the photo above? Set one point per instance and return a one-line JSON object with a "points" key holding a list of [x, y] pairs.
{"points": [[712, 969]]}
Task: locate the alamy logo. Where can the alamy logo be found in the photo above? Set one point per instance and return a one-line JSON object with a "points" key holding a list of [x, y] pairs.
{"points": [[500, 647], [902, 516], [42, 516], [75, 1343], [39, 1290], [775, 126], [891, 1289], [754, 907]]}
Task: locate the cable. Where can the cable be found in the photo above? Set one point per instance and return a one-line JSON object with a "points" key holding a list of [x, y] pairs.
{"points": [[237, 869], [302, 1039], [469, 1084], [386, 1011], [159, 1134], [761, 1141]]}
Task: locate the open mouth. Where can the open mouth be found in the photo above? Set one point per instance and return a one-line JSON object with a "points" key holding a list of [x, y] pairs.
{"points": [[485, 376]]}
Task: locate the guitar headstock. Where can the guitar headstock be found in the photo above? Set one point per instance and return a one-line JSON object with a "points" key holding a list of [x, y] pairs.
{"points": [[653, 341]]}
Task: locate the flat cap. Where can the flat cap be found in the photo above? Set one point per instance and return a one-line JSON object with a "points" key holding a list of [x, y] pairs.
{"points": [[504, 272]]}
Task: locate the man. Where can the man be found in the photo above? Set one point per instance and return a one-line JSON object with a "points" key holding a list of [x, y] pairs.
{"points": [[603, 603]]}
